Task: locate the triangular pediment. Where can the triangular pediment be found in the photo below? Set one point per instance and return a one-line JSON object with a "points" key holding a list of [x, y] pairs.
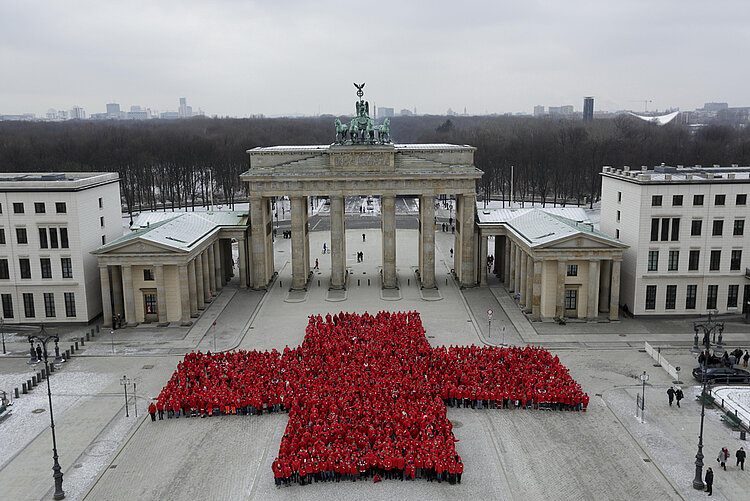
{"points": [[138, 246], [582, 241]]}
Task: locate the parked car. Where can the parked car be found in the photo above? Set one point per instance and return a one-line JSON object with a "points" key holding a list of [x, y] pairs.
{"points": [[722, 375]]}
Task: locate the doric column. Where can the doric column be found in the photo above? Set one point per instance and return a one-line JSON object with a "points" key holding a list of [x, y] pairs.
{"points": [[483, 261], [182, 270], [506, 267], [106, 295], [524, 280], [593, 290], [199, 282], [338, 243], [536, 293], [512, 267], [306, 235], [562, 271], [116, 281], [161, 295], [218, 272], [468, 275], [206, 277], [614, 291], [211, 270], [529, 282], [127, 287], [299, 277], [517, 285], [427, 241], [192, 288], [388, 215], [242, 257], [259, 245], [605, 278]]}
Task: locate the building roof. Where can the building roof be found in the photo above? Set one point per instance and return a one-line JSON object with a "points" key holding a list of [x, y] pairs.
{"points": [[179, 231], [662, 174], [54, 181], [539, 227]]}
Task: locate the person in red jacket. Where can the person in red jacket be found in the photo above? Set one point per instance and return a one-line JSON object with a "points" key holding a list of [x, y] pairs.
{"points": [[152, 411]]}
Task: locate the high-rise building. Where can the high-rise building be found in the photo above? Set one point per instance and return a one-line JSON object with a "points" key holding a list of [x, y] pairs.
{"points": [[113, 110], [185, 111], [588, 109], [77, 113], [538, 111]]}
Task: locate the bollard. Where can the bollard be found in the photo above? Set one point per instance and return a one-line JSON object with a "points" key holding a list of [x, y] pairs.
{"points": [[23, 388], [51, 368], [72, 350], [76, 345], [82, 342], [29, 385], [368, 282], [16, 395], [39, 377], [67, 354], [44, 373], [88, 338]]}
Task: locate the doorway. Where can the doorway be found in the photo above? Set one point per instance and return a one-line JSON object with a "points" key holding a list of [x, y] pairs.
{"points": [[150, 313]]}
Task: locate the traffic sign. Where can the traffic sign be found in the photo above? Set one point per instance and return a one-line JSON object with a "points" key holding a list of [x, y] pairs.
{"points": [[489, 312]]}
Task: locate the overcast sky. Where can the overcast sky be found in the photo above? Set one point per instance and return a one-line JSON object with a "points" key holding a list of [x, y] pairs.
{"points": [[241, 57]]}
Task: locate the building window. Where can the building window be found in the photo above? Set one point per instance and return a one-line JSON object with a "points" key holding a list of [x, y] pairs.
{"points": [[677, 200], [696, 225], [4, 269], [148, 274], [693, 258], [732, 296], [39, 208], [70, 304], [674, 259], [697, 199], [25, 266], [690, 297], [1, 208], [618, 216], [21, 237], [17, 207], [718, 228], [572, 270], [64, 238], [655, 200], [104, 239], [650, 297], [619, 196], [2, 236], [671, 299], [53, 238], [720, 199], [101, 221], [665, 229], [741, 199], [61, 208], [28, 305], [739, 227], [571, 297], [713, 292], [715, 260], [675, 229], [655, 229], [67, 267], [7, 300], [49, 304], [46, 265], [617, 234], [653, 260], [43, 238], [101, 203], [734, 262]]}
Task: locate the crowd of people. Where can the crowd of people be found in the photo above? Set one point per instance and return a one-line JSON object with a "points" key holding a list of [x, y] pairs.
{"points": [[367, 395]]}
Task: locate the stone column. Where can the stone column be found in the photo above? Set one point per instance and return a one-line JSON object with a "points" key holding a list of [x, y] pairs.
{"points": [[483, 261], [518, 286], [536, 293], [468, 275], [606, 276], [161, 295], [199, 282], [211, 269], [511, 267], [529, 282], [258, 245], [192, 288], [182, 270], [562, 271], [119, 304], [127, 287], [388, 215], [218, 272], [506, 267], [299, 277], [427, 241], [242, 262], [524, 281], [206, 277], [591, 307], [306, 235], [338, 243], [614, 301], [106, 295]]}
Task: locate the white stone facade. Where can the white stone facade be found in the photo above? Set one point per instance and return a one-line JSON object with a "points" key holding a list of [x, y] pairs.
{"points": [[63, 283], [695, 260]]}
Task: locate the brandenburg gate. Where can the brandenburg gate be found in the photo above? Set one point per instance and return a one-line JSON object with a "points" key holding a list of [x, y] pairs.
{"points": [[358, 163]]}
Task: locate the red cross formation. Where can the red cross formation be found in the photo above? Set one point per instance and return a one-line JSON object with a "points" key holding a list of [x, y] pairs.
{"points": [[362, 388]]}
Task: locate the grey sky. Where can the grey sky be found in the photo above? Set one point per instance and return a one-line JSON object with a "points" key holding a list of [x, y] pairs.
{"points": [[239, 57]]}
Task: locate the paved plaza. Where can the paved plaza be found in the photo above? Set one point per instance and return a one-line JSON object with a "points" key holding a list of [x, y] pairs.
{"points": [[605, 453]]}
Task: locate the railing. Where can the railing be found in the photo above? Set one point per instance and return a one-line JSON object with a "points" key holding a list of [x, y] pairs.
{"points": [[655, 353], [728, 406]]}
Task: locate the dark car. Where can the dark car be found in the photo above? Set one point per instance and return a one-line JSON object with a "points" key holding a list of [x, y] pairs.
{"points": [[722, 375]]}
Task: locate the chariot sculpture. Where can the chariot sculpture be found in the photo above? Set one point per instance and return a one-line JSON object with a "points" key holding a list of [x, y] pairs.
{"points": [[362, 128]]}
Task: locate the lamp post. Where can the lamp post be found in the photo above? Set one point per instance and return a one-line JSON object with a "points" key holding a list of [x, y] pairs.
{"points": [[698, 480], [42, 339], [644, 378], [710, 326], [125, 382], [2, 329]]}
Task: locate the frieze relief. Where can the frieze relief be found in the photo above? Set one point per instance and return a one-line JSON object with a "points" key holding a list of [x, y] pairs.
{"points": [[365, 161]]}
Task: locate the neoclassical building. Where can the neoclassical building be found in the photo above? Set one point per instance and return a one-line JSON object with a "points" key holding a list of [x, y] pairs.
{"points": [[554, 261], [168, 268]]}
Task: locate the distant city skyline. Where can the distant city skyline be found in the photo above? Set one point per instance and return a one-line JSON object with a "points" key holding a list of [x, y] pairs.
{"points": [[289, 58]]}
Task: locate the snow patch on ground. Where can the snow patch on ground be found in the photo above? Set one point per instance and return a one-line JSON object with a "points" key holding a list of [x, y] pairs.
{"points": [[736, 398]]}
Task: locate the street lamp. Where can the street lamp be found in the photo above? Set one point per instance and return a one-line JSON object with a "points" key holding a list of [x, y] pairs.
{"points": [[42, 339], [125, 382], [698, 480], [644, 378], [710, 326]]}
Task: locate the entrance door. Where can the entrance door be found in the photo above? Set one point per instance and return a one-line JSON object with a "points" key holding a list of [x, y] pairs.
{"points": [[571, 303], [149, 306]]}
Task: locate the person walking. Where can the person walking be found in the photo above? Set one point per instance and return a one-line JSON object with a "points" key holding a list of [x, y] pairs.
{"points": [[723, 456], [363, 237], [152, 411], [746, 358], [324, 247], [670, 394], [316, 264], [709, 481], [740, 455], [678, 395]]}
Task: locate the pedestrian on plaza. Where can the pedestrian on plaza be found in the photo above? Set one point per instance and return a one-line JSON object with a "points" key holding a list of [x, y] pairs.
{"points": [[451, 252], [152, 411], [679, 395], [740, 455], [316, 264], [363, 237], [746, 358], [701, 359], [324, 247], [670, 393], [723, 456], [453, 229], [709, 481], [39, 352]]}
